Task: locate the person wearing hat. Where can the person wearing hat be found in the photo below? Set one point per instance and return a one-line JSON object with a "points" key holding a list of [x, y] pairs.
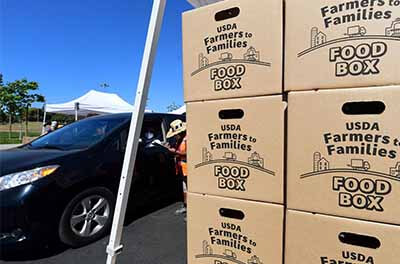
{"points": [[178, 132], [46, 128], [54, 125]]}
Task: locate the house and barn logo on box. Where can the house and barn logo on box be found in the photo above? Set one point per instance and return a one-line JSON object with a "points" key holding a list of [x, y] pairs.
{"points": [[227, 255], [231, 233], [227, 72], [357, 183], [361, 48], [230, 172]]}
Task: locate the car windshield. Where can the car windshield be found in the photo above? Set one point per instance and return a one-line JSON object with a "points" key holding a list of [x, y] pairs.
{"points": [[79, 135]]}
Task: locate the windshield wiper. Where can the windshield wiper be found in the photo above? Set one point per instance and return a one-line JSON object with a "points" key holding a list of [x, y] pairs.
{"points": [[29, 145]]}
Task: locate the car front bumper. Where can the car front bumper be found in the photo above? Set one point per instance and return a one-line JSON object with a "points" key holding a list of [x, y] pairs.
{"points": [[21, 219]]}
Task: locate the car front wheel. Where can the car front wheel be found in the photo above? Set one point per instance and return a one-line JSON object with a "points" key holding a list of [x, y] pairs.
{"points": [[87, 217]]}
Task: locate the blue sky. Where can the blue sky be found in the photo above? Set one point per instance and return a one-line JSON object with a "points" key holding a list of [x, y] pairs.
{"points": [[70, 47]]}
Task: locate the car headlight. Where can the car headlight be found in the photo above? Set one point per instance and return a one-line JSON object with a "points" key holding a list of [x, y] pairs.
{"points": [[19, 178]]}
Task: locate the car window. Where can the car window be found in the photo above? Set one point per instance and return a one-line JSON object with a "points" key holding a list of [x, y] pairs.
{"points": [[152, 130], [78, 135], [123, 137]]}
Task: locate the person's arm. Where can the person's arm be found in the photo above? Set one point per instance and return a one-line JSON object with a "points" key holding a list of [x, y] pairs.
{"points": [[183, 152], [177, 152]]}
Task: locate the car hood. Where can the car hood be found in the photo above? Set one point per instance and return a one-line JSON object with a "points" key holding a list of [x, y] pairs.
{"points": [[21, 159]]}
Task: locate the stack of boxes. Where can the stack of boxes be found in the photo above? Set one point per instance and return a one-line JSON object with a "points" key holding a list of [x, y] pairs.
{"points": [[235, 112], [343, 169], [343, 134]]}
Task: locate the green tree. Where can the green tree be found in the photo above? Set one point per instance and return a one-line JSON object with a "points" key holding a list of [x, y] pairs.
{"points": [[26, 97], [9, 99], [172, 107], [35, 114], [3, 117], [2, 114]]}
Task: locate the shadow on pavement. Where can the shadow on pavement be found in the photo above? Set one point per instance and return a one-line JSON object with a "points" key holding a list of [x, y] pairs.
{"points": [[53, 247], [34, 252], [141, 210]]}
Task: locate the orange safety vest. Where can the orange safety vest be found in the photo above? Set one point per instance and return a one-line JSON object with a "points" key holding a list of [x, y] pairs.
{"points": [[181, 161]]}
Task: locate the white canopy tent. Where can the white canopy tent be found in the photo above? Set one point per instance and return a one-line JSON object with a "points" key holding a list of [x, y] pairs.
{"points": [[199, 3], [179, 111], [93, 102]]}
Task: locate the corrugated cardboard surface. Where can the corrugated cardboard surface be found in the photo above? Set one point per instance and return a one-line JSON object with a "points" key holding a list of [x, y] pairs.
{"points": [[239, 56], [321, 38], [213, 238], [240, 158], [317, 239], [325, 173]]}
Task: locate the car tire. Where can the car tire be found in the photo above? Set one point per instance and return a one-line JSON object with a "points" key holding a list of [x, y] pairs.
{"points": [[87, 217]]}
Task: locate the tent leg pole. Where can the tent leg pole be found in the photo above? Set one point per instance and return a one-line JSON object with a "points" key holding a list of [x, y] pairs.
{"points": [[44, 119], [114, 247]]}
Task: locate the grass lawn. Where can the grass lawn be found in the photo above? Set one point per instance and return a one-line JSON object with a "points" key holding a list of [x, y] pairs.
{"points": [[35, 129], [4, 138], [33, 126]]}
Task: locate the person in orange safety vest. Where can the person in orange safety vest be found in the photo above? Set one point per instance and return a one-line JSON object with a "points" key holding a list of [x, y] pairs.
{"points": [[178, 132]]}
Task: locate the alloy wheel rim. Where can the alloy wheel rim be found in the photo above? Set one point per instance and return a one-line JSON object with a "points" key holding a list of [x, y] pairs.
{"points": [[90, 215]]}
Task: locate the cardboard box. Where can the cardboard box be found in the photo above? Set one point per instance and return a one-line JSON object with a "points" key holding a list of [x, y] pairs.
{"points": [[344, 153], [235, 148], [233, 49], [319, 239], [338, 44], [223, 230]]}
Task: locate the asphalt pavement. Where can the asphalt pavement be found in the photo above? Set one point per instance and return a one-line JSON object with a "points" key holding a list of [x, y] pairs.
{"points": [[158, 237]]}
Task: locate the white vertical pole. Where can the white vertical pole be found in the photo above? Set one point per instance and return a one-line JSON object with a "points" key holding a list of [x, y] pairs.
{"points": [[44, 118], [114, 247], [76, 111]]}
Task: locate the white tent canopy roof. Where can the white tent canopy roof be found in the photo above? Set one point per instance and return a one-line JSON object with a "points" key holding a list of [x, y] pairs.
{"points": [[199, 3], [179, 111], [93, 102]]}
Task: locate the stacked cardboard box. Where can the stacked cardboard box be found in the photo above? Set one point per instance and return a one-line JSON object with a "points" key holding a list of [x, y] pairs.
{"points": [[343, 182], [233, 88]]}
